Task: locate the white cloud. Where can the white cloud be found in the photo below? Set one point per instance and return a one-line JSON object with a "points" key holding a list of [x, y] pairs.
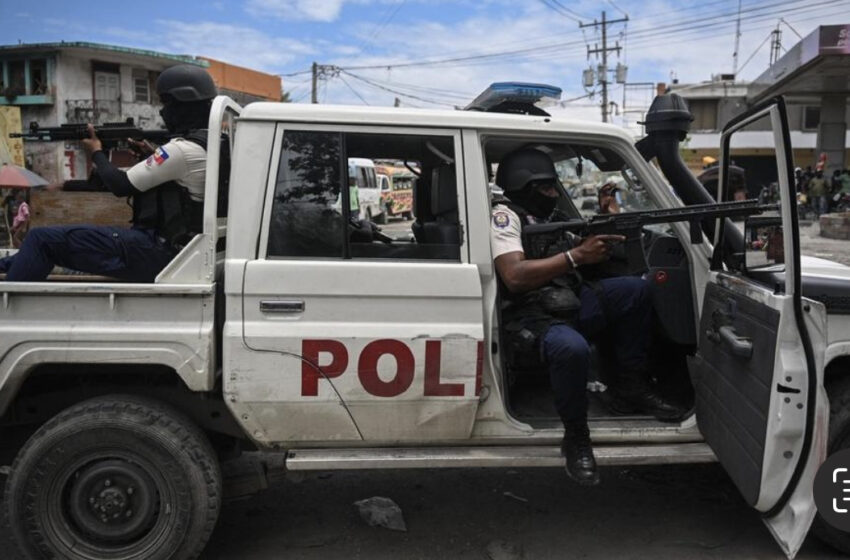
{"points": [[296, 10], [235, 44]]}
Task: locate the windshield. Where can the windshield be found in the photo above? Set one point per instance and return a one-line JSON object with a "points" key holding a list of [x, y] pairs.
{"points": [[583, 181]]}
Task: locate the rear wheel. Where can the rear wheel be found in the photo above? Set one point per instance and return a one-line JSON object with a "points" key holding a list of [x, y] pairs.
{"points": [[839, 438], [114, 477]]}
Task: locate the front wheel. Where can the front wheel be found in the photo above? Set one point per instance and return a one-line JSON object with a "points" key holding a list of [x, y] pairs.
{"points": [[114, 477]]}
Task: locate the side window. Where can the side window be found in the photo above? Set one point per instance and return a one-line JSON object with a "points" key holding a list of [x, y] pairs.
{"points": [[306, 220], [312, 216], [754, 174]]}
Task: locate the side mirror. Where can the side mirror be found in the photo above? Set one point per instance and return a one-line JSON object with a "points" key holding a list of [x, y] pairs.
{"points": [[764, 241]]}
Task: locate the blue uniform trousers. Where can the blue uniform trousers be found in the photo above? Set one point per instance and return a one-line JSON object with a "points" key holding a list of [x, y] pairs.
{"points": [[130, 254], [626, 318]]}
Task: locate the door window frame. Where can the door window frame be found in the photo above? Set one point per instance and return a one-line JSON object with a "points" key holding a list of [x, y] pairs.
{"points": [[775, 107], [274, 167]]}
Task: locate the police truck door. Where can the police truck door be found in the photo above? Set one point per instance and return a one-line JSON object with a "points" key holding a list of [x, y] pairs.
{"points": [[758, 372], [353, 333]]}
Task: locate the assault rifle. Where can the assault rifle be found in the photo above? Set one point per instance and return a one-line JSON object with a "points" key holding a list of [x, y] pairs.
{"points": [[543, 240], [111, 134]]}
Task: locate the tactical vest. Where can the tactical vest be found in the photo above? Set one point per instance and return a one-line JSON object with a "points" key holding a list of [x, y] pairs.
{"points": [[170, 211], [527, 316]]}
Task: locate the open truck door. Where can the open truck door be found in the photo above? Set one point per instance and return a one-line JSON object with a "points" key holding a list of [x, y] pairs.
{"points": [[758, 371]]}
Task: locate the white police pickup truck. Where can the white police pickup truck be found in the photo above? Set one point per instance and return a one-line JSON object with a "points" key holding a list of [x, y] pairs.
{"points": [[275, 329]]}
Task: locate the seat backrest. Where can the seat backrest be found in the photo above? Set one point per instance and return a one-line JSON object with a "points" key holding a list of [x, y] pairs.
{"points": [[443, 229]]}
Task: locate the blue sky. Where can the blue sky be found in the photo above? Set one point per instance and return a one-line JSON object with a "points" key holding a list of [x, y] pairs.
{"points": [[689, 39]]}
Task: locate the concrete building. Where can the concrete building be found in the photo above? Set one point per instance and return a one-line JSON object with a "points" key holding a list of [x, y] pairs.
{"points": [[814, 78], [57, 83]]}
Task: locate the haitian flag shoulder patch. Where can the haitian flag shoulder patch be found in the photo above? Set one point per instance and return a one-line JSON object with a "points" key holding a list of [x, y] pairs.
{"points": [[158, 157]]}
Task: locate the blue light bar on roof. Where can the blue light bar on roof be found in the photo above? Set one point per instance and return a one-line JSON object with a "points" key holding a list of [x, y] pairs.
{"points": [[514, 94]]}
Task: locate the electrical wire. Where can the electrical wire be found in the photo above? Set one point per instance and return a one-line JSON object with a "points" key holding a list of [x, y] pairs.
{"points": [[656, 30], [353, 90], [558, 9], [616, 7], [391, 90], [558, 45]]}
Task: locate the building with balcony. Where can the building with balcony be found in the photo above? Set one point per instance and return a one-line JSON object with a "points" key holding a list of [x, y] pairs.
{"points": [[58, 83]]}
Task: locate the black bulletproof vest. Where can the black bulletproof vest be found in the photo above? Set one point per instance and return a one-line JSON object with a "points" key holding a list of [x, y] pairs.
{"points": [[168, 209]]}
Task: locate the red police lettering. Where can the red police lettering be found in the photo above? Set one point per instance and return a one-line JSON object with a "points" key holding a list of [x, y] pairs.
{"points": [[367, 368], [433, 386], [310, 365]]}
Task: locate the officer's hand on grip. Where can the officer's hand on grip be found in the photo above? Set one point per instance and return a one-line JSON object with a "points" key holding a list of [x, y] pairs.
{"points": [[595, 249], [92, 144]]}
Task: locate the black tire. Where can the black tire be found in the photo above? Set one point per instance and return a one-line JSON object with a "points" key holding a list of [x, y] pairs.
{"points": [[407, 216], [382, 217], [839, 438], [117, 477]]}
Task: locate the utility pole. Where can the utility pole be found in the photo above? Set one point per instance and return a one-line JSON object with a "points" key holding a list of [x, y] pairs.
{"points": [[602, 73], [315, 96], [737, 42], [775, 45], [321, 71]]}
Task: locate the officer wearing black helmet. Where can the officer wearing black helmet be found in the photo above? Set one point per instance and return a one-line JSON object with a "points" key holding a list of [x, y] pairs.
{"points": [[166, 190], [548, 309]]}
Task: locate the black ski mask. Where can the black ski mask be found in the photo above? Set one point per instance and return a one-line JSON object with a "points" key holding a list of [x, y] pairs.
{"points": [[183, 117], [535, 202]]}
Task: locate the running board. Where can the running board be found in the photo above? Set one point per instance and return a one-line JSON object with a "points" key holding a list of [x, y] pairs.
{"points": [[448, 457]]}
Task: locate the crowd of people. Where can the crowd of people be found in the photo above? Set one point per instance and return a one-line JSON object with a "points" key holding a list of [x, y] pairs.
{"points": [[824, 193]]}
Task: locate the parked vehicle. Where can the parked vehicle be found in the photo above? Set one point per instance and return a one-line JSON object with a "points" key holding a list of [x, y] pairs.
{"points": [[273, 329], [368, 190], [397, 184]]}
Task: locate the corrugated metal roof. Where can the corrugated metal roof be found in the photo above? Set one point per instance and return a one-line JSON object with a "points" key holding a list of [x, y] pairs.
{"points": [[24, 47]]}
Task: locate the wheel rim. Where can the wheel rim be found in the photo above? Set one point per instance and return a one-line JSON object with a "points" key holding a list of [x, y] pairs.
{"points": [[70, 517], [113, 501]]}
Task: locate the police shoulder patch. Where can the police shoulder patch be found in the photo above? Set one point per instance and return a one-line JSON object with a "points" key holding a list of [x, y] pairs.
{"points": [[501, 219]]}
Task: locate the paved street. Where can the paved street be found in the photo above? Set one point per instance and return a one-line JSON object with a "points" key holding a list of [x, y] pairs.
{"points": [[812, 244], [670, 512]]}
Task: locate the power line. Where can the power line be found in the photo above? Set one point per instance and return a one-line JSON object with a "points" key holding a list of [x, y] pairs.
{"points": [[656, 30], [566, 9], [552, 46], [353, 90], [616, 7], [558, 9], [379, 86]]}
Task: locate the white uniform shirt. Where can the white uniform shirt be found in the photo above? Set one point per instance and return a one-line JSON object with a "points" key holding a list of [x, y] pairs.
{"points": [[505, 231], [179, 160]]}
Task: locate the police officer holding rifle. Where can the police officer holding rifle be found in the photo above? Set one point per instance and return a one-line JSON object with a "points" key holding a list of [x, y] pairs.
{"points": [[548, 307], [166, 191]]}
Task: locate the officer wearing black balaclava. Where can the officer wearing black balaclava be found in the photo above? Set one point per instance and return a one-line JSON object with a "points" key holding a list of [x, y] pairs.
{"points": [[166, 191], [548, 311]]}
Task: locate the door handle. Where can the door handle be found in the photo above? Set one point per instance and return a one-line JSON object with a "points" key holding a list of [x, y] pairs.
{"points": [[741, 346], [282, 306]]}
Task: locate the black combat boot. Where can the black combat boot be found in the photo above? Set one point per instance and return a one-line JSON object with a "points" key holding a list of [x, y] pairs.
{"points": [[635, 396], [578, 454]]}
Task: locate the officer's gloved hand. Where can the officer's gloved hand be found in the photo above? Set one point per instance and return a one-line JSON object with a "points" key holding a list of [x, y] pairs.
{"points": [[364, 231], [361, 231]]}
